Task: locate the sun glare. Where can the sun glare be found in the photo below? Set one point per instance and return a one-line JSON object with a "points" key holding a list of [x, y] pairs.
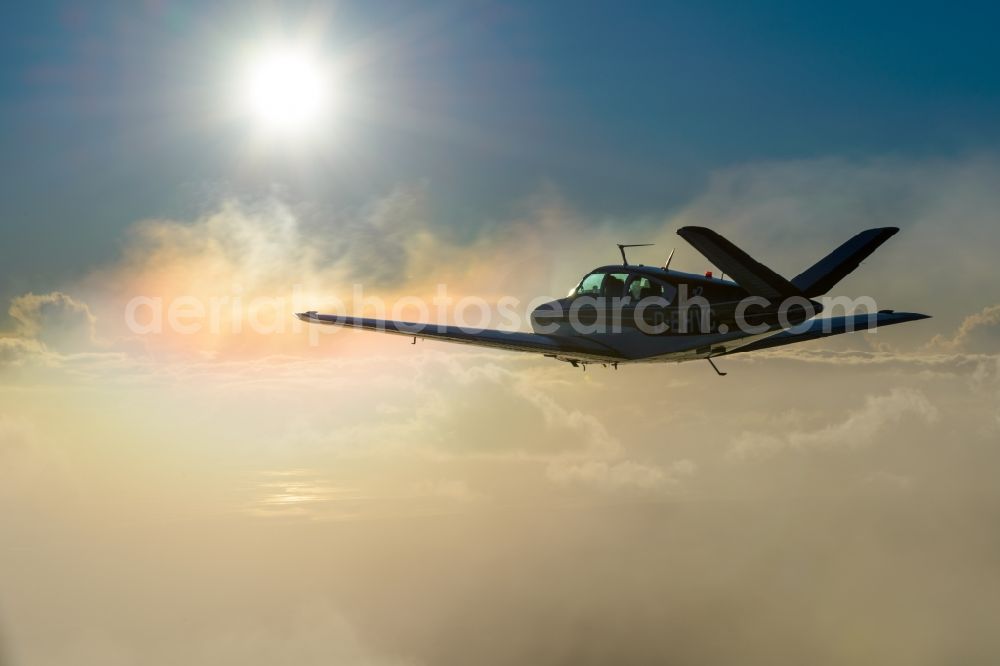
{"points": [[286, 90]]}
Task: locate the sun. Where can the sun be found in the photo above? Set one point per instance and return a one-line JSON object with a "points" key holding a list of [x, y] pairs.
{"points": [[286, 90]]}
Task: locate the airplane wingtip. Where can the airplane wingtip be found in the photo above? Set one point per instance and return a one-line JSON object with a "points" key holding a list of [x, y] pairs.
{"points": [[690, 228], [904, 316]]}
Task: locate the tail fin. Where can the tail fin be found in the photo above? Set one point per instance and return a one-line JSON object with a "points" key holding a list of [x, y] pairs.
{"points": [[834, 267], [749, 273]]}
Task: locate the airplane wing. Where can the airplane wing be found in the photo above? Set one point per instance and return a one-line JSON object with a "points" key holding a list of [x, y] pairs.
{"points": [[577, 347], [749, 273], [825, 327]]}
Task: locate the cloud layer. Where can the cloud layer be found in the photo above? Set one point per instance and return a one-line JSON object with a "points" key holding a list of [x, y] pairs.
{"points": [[225, 497]]}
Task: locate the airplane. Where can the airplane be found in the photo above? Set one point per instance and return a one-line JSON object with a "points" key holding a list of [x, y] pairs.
{"points": [[630, 313]]}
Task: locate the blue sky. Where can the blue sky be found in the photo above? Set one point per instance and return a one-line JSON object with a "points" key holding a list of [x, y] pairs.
{"points": [[106, 111]]}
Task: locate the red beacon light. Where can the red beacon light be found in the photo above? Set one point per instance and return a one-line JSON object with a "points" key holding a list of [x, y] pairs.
{"points": [[708, 274]]}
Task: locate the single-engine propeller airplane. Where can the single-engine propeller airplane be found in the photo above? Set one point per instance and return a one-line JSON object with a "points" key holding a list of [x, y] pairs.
{"points": [[628, 313]]}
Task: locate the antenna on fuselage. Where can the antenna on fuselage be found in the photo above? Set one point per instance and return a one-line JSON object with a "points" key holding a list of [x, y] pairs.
{"points": [[670, 257], [621, 248]]}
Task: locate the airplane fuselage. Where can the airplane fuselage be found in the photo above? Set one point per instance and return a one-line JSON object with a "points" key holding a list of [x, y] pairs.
{"points": [[642, 313]]}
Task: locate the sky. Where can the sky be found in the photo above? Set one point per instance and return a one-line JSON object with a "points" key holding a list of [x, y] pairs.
{"points": [[238, 489]]}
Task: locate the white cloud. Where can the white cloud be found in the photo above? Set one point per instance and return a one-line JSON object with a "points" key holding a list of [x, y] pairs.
{"points": [[623, 475], [859, 429], [428, 445], [15, 351], [978, 333], [456, 490], [56, 320]]}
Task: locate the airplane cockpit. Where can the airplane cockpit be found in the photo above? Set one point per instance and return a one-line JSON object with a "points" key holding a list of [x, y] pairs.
{"points": [[632, 286]]}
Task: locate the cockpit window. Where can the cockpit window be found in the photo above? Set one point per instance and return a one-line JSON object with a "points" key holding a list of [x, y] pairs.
{"points": [[591, 285], [640, 287], [621, 285]]}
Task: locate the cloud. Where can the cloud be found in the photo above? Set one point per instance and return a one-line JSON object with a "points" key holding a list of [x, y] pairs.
{"points": [[262, 260], [456, 490], [32, 470], [428, 477], [456, 406], [618, 476], [56, 320], [898, 481], [380, 247], [978, 333], [859, 429], [311, 634], [14, 435], [56, 332], [314, 634], [15, 351], [236, 274]]}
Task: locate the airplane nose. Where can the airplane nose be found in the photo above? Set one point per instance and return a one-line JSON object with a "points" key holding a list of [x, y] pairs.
{"points": [[547, 309], [546, 315]]}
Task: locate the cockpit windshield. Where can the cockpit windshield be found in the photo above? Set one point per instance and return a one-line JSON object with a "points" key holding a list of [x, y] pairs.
{"points": [[602, 284], [590, 285]]}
